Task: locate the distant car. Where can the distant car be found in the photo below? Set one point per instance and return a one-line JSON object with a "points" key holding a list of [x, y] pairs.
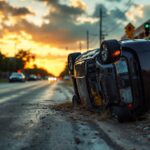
{"points": [[116, 76], [66, 78], [32, 77], [17, 77]]}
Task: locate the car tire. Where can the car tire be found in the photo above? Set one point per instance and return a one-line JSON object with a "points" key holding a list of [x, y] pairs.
{"points": [[73, 56], [71, 59], [107, 49]]}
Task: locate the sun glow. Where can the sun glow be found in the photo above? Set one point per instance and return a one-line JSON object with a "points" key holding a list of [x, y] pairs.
{"points": [[47, 57]]}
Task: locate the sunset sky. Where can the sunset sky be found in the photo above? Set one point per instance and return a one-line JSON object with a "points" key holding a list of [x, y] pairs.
{"points": [[52, 29]]}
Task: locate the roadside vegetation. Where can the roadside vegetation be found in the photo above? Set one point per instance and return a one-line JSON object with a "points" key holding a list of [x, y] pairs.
{"points": [[18, 63]]}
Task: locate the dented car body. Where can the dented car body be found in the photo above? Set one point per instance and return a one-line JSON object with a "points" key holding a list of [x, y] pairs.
{"points": [[116, 76]]}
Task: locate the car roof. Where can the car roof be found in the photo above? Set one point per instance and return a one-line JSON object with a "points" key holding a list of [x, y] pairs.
{"points": [[16, 73], [138, 45]]}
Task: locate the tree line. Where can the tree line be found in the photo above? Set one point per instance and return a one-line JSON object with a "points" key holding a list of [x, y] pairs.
{"points": [[18, 62]]}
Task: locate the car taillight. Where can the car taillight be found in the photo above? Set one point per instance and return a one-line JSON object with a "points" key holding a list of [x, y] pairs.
{"points": [[130, 106], [116, 53]]}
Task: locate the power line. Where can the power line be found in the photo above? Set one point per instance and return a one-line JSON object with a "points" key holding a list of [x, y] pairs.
{"points": [[119, 24], [101, 34], [94, 43]]}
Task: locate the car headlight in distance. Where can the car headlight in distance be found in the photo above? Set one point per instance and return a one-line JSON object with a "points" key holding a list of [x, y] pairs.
{"points": [[52, 78]]}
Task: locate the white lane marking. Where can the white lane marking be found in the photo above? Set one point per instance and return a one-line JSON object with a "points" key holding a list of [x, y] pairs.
{"points": [[5, 99], [56, 94], [13, 96], [14, 86]]}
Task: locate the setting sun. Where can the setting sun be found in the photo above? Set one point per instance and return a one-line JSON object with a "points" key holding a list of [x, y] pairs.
{"points": [[46, 56]]}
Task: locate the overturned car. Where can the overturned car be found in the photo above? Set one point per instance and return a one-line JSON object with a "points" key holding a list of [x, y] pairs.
{"points": [[116, 76]]}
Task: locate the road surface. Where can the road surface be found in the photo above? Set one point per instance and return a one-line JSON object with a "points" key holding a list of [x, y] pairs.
{"points": [[28, 122]]}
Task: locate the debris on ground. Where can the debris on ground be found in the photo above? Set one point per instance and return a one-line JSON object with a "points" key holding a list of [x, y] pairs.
{"points": [[80, 112], [142, 126]]}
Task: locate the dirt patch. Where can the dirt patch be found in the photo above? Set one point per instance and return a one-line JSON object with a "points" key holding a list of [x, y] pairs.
{"points": [[138, 128], [79, 112], [143, 125], [67, 106]]}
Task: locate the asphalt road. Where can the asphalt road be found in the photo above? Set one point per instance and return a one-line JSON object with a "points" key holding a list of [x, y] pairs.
{"points": [[27, 121]]}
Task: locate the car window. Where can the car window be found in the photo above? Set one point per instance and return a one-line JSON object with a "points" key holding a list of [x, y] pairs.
{"points": [[121, 66], [16, 74]]}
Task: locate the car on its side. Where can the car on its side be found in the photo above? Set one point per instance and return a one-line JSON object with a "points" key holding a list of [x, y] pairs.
{"points": [[17, 77], [116, 76], [83, 71]]}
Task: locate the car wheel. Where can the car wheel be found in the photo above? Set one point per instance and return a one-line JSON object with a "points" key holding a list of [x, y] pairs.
{"points": [[71, 60], [108, 49], [104, 53]]}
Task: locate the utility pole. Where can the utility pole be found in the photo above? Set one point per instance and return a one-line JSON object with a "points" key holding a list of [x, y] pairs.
{"points": [[87, 38], [100, 26], [66, 48], [80, 46]]}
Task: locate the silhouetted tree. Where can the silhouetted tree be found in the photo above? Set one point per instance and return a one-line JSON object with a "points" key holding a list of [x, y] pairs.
{"points": [[38, 71], [2, 58], [23, 57], [65, 71]]}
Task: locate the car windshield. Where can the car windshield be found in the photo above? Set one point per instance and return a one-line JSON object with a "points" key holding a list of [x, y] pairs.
{"points": [[16, 75]]}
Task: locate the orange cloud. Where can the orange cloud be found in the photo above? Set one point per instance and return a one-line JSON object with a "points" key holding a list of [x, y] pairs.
{"points": [[132, 14], [79, 4]]}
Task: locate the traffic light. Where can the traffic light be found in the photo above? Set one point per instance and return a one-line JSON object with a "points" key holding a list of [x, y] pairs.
{"points": [[147, 28]]}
